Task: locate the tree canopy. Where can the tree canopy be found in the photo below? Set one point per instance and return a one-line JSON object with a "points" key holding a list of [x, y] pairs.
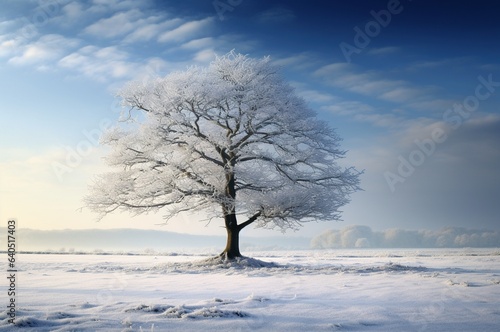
{"points": [[230, 139]]}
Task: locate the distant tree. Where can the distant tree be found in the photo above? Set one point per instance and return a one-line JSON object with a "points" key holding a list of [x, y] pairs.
{"points": [[233, 140]]}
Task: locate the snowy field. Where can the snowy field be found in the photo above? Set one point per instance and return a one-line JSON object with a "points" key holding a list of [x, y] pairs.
{"points": [[327, 290]]}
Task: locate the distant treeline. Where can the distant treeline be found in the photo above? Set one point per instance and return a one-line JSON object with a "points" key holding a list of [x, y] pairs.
{"points": [[365, 237]]}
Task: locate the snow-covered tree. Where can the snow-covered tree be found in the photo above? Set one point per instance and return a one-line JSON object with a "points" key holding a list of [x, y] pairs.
{"points": [[232, 140]]}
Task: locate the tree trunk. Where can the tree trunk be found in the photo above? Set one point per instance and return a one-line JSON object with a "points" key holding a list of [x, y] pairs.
{"points": [[233, 234], [233, 238]]}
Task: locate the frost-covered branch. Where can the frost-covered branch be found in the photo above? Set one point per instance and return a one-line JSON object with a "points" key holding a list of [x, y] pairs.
{"points": [[232, 135]]}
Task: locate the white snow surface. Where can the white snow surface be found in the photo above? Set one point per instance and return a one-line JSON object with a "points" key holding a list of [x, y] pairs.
{"points": [[316, 290]]}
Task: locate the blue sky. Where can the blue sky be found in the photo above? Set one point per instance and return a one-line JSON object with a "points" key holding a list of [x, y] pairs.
{"points": [[412, 87]]}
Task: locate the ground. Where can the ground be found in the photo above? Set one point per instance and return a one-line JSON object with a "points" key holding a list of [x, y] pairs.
{"points": [[328, 290]]}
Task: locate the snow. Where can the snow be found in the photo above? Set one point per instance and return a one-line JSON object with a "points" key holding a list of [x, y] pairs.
{"points": [[316, 290]]}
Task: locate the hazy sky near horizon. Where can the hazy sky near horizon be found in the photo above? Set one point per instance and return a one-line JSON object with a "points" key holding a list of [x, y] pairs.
{"points": [[413, 87]]}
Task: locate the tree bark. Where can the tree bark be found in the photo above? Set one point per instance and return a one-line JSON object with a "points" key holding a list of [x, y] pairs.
{"points": [[233, 235], [232, 249]]}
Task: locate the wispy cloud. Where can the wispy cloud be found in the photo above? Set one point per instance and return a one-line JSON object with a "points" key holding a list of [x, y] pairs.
{"points": [[6, 25], [136, 26], [186, 31], [73, 10], [205, 55], [315, 96], [380, 120], [130, 21], [363, 112], [402, 95], [111, 63], [48, 47], [99, 63], [8, 46], [149, 31], [349, 108], [300, 61], [116, 25], [312, 95], [375, 84], [199, 43], [97, 15], [348, 77], [125, 22], [99, 6]]}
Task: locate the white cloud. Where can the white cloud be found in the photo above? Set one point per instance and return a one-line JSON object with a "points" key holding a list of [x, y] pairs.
{"points": [[376, 84], [199, 43], [154, 67], [143, 33], [366, 113], [151, 30], [312, 95], [348, 76], [334, 69], [8, 46], [302, 61], [116, 25], [73, 10], [369, 84], [48, 47], [104, 6], [187, 30], [6, 26], [349, 108], [401, 94], [101, 15], [111, 53], [108, 63], [380, 120], [205, 56], [99, 64], [315, 96], [109, 19]]}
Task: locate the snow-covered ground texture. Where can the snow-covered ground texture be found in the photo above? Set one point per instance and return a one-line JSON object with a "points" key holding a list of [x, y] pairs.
{"points": [[323, 290]]}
